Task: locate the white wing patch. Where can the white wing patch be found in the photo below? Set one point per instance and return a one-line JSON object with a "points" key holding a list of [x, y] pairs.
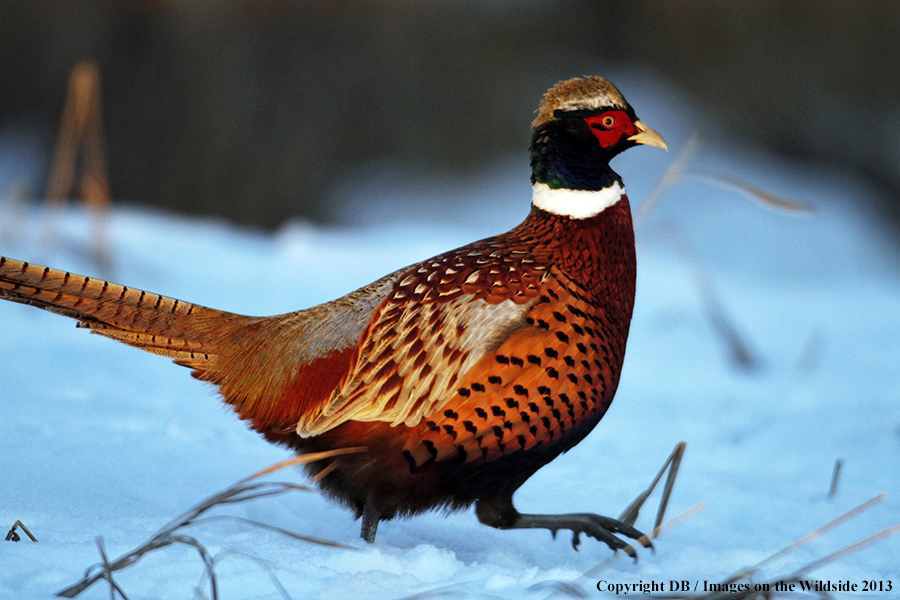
{"points": [[411, 364]]}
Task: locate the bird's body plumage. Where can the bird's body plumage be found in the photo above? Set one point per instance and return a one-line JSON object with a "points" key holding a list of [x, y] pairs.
{"points": [[462, 375]]}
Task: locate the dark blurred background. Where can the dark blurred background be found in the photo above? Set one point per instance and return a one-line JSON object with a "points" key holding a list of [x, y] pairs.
{"points": [[251, 110]]}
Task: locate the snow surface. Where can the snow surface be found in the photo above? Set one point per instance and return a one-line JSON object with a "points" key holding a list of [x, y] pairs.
{"points": [[100, 440]]}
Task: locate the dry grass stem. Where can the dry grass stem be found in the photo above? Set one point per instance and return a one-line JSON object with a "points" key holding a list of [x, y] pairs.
{"points": [[675, 173], [722, 322], [630, 514], [681, 517], [854, 547], [107, 568], [262, 563], [765, 199], [811, 536], [304, 459], [574, 589], [245, 490], [832, 490], [678, 171], [81, 137], [13, 536], [767, 589]]}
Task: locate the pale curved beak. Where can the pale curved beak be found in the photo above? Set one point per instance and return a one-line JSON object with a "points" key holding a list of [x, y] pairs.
{"points": [[647, 136]]}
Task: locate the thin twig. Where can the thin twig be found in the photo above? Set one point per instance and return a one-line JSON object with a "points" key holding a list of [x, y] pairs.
{"points": [[832, 490], [568, 587], [304, 459], [243, 491], [207, 559], [673, 175], [809, 537], [107, 572], [81, 134], [722, 321], [12, 536], [854, 547], [285, 532], [630, 514], [764, 198]]}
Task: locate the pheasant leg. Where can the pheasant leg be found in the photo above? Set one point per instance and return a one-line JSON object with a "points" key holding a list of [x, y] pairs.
{"points": [[370, 519], [501, 514]]}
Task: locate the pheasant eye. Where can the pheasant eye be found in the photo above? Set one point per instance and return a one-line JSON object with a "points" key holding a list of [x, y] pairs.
{"points": [[604, 122]]}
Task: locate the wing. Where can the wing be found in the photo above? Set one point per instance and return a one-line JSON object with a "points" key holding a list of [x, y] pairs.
{"points": [[275, 370], [441, 317]]}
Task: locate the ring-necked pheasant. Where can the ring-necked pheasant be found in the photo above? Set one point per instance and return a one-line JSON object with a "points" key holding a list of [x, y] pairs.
{"points": [[463, 374]]}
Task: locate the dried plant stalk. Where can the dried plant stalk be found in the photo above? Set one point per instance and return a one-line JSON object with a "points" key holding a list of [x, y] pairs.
{"points": [[767, 590], [12, 536], [723, 323], [81, 137], [835, 476], [242, 491], [630, 514]]}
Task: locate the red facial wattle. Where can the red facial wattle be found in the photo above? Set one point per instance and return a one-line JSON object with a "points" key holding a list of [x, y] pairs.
{"points": [[610, 127]]}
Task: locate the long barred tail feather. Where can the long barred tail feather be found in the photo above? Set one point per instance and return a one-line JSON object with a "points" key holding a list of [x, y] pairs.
{"points": [[271, 370], [146, 320]]}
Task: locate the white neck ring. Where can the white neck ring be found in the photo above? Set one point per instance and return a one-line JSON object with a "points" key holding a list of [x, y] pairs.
{"points": [[577, 204]]}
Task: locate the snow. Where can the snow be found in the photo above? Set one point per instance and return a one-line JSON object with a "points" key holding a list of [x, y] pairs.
{"points": [[100, 440]]}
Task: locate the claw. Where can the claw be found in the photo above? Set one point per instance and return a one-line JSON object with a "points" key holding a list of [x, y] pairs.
{"points": [[602, 529], [630, 552]]}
